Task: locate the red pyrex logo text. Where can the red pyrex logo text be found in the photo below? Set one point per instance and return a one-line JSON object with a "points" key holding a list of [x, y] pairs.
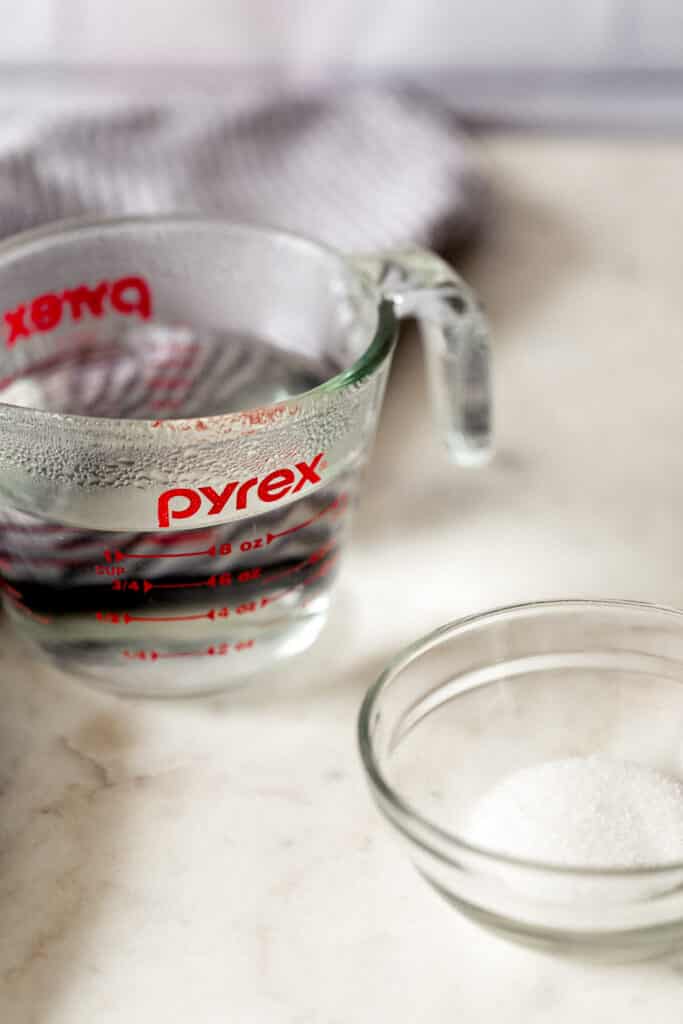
{"points": [[185, 502], [126, 295]]}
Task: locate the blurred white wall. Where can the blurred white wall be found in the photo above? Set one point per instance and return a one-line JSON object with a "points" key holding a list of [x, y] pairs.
{"points": [[381, 33]]}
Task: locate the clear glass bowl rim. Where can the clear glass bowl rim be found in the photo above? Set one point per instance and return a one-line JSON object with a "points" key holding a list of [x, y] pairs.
{"points": [[422, 830]]}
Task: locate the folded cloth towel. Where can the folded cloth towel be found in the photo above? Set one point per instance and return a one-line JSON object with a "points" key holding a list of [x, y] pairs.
{"points": [[358, 168]]}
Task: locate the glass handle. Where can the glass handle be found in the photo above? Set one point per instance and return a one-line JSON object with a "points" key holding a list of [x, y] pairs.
{"points": [[455, 338]]}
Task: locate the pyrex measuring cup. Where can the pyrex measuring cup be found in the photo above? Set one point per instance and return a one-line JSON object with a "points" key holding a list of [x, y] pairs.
{"points": [[188, 405]]}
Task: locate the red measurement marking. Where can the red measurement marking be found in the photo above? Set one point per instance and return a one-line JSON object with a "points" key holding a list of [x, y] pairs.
{"points": [[211, 582], [310, 560], [315, 557], [126, 618], [212, 651], [118, 556], [225, 579], [44, 620], [322, 571], [222, 649], [339, 502], [109, 570], [128, 585], [116, 618], [178, 654], [10, 590]]}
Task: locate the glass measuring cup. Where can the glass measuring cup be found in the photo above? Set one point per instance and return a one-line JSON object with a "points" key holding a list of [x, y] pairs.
{"points": [[186, 406]]}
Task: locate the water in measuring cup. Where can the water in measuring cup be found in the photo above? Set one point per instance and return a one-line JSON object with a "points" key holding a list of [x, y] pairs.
{"points": [[152, 611]]}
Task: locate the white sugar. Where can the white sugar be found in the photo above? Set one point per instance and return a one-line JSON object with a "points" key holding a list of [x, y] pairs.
{"points": [[585, 812]]}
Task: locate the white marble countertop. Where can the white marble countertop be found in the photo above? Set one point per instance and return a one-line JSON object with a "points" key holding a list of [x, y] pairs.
{"points": [[220, 861]]}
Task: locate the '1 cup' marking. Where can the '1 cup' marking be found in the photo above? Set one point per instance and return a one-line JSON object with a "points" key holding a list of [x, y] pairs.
{"points": [[186, 502]]}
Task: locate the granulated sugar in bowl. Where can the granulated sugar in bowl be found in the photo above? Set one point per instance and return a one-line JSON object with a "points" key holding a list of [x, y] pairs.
{"points": [[593, 812], [531, 760]]}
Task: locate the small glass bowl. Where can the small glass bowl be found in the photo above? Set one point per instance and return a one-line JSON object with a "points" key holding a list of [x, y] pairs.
{"points": [[498, 692]]}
